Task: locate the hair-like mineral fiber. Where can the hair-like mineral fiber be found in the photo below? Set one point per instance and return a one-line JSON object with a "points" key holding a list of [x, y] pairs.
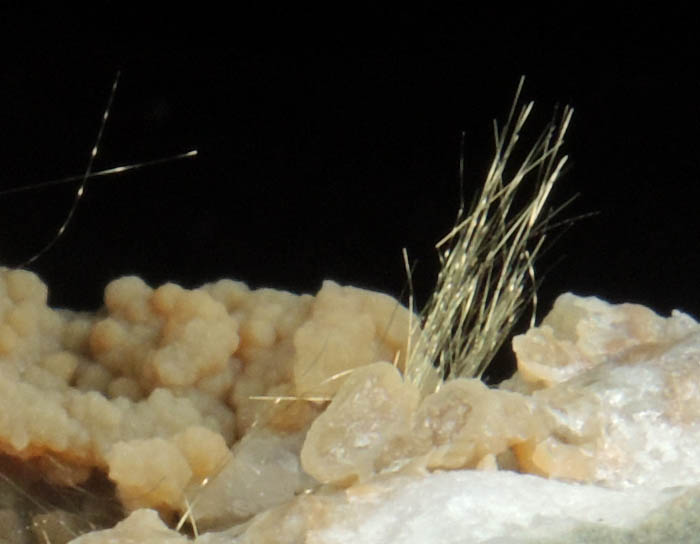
{"points": [[89, 174], [486, 273]]}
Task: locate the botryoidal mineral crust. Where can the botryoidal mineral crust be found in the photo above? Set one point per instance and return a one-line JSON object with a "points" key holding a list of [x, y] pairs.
{"points": [[269, 409]]}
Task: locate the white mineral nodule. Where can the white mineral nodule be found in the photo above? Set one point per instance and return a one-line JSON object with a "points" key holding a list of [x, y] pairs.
{"points": [[263, 416]]}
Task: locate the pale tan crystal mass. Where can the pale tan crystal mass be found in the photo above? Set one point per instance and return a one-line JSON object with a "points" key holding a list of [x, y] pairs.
{"points": [[211, 403], [157, 386]]}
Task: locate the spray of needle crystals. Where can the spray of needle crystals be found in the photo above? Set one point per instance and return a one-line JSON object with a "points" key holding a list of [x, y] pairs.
{"points": [[487, 259]]}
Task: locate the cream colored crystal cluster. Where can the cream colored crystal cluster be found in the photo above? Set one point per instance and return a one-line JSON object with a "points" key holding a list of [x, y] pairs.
{"points": [[605, 394], [621, 389], [156, 387], [224, 404]]}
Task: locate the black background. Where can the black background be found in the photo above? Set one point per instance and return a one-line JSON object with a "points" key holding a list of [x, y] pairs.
{"points": [[323, 152]]}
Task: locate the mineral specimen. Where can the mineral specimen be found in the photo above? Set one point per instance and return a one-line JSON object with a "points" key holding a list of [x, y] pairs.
{"points": [[244, 413]]}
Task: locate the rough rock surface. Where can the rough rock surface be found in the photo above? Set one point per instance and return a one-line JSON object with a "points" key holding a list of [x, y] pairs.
{"points": [[263, 416]]}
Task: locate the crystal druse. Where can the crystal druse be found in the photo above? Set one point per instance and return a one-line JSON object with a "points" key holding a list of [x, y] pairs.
{"points": [[264, 416]]}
